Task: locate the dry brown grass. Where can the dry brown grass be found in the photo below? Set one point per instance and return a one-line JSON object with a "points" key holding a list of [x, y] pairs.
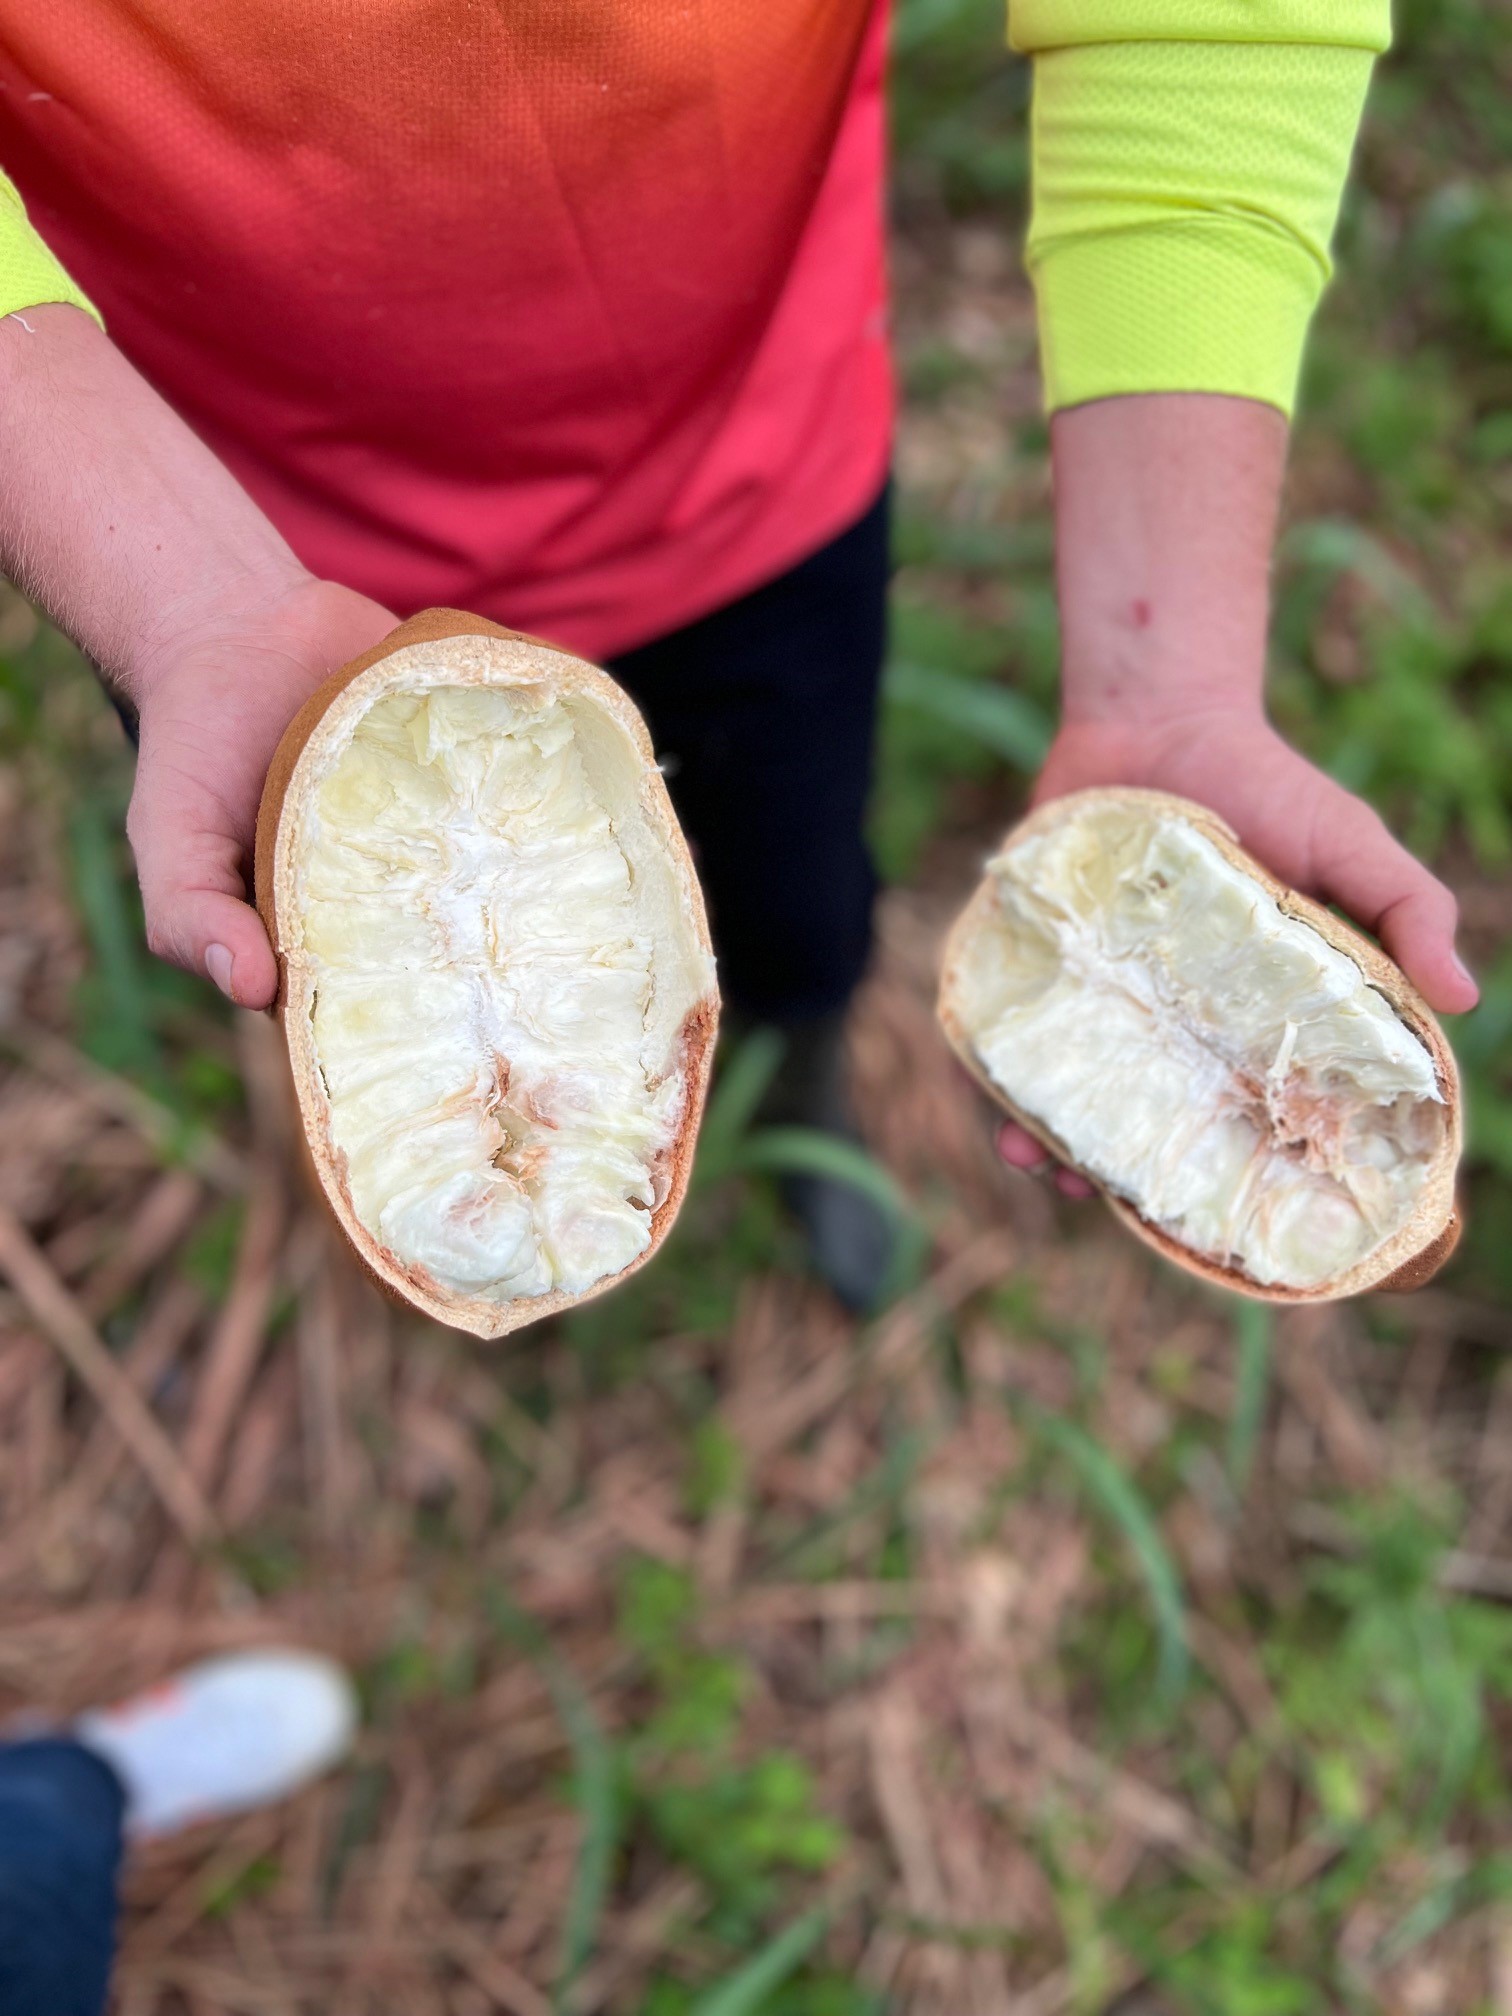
{"points": [[300, 1412]]}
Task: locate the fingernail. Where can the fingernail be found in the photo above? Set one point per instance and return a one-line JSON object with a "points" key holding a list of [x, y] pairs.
{"points": [[1463, 970], [218, 966]]}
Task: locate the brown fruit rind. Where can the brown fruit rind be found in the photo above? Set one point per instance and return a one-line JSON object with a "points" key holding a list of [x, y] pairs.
{"points": [[274, 873], [1406, 1260]]}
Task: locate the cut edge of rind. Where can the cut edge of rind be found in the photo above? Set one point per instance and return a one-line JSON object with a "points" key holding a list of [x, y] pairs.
{"points": [[288, 785], [1401, 1263]]}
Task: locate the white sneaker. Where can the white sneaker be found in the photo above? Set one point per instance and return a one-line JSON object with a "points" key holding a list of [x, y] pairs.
{"points": [[224, 1736]]}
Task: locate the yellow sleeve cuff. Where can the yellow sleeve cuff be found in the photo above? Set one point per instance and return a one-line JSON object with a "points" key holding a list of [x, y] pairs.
{"points": [[29, 274], [1178, 308], [1185, 195], [1035, 25]]}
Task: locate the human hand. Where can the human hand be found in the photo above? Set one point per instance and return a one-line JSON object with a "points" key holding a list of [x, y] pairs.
{"points": [[215, 692], [1305, 828]]}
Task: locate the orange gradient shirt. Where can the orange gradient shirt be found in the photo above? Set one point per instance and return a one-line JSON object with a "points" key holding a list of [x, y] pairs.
{"points": [[566, 311]]}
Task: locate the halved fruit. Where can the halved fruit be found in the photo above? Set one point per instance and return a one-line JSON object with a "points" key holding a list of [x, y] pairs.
{"points": [[1257, 1089], [497, 987]]}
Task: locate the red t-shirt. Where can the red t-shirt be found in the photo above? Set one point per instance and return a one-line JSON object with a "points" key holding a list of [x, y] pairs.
{"points": [[569, 312]]}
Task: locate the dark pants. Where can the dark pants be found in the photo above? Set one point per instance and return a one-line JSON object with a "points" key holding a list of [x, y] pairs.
{"points": [[60, 1849], [764, 714]]}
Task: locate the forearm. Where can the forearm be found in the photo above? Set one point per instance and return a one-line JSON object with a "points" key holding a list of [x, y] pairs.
{"points": [[114, 516], [1165, 508]]}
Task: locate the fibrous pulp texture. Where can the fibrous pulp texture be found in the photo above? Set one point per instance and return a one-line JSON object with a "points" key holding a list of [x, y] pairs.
{"points": [[1210, 1059], [502, 1086]]}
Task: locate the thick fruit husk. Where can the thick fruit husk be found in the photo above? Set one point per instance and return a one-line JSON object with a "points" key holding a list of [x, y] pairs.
{"points": [[1411, 1252], [447, 652]]}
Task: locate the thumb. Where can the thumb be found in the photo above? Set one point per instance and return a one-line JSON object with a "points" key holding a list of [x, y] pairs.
{"points": [[208, 931], [193, 899], [1374, 878]]}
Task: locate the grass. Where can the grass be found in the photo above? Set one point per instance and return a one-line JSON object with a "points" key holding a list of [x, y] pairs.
{"points": [[1065, 1633]]}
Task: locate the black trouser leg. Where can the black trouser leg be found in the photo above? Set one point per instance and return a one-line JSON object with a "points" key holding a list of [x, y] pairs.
{"points": [[60, 1850], [764, 713]]}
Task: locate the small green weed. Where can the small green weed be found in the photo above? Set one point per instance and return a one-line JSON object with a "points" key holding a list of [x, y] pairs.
{"points": [[746, 1827]]}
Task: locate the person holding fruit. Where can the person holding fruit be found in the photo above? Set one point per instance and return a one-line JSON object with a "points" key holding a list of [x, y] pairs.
{"points": [[574, 316]]}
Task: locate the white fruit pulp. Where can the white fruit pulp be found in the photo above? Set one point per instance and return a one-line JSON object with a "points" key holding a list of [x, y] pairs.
{"points": [[484, 964], [1212, 1060]]}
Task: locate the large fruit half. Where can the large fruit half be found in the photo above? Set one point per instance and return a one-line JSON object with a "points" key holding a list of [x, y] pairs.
{"points": [[1259, 1092], [496, 984]]}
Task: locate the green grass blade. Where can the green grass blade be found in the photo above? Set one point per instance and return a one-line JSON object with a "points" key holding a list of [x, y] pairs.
{"points": [[1439, 1906], [1254, 1332], [1120, 1499], [1340, 546], [119, 1024], [1011, 725], [594, 1790], [884, 1486], [744, 1991], [738, 1091], [805, 1151]]}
